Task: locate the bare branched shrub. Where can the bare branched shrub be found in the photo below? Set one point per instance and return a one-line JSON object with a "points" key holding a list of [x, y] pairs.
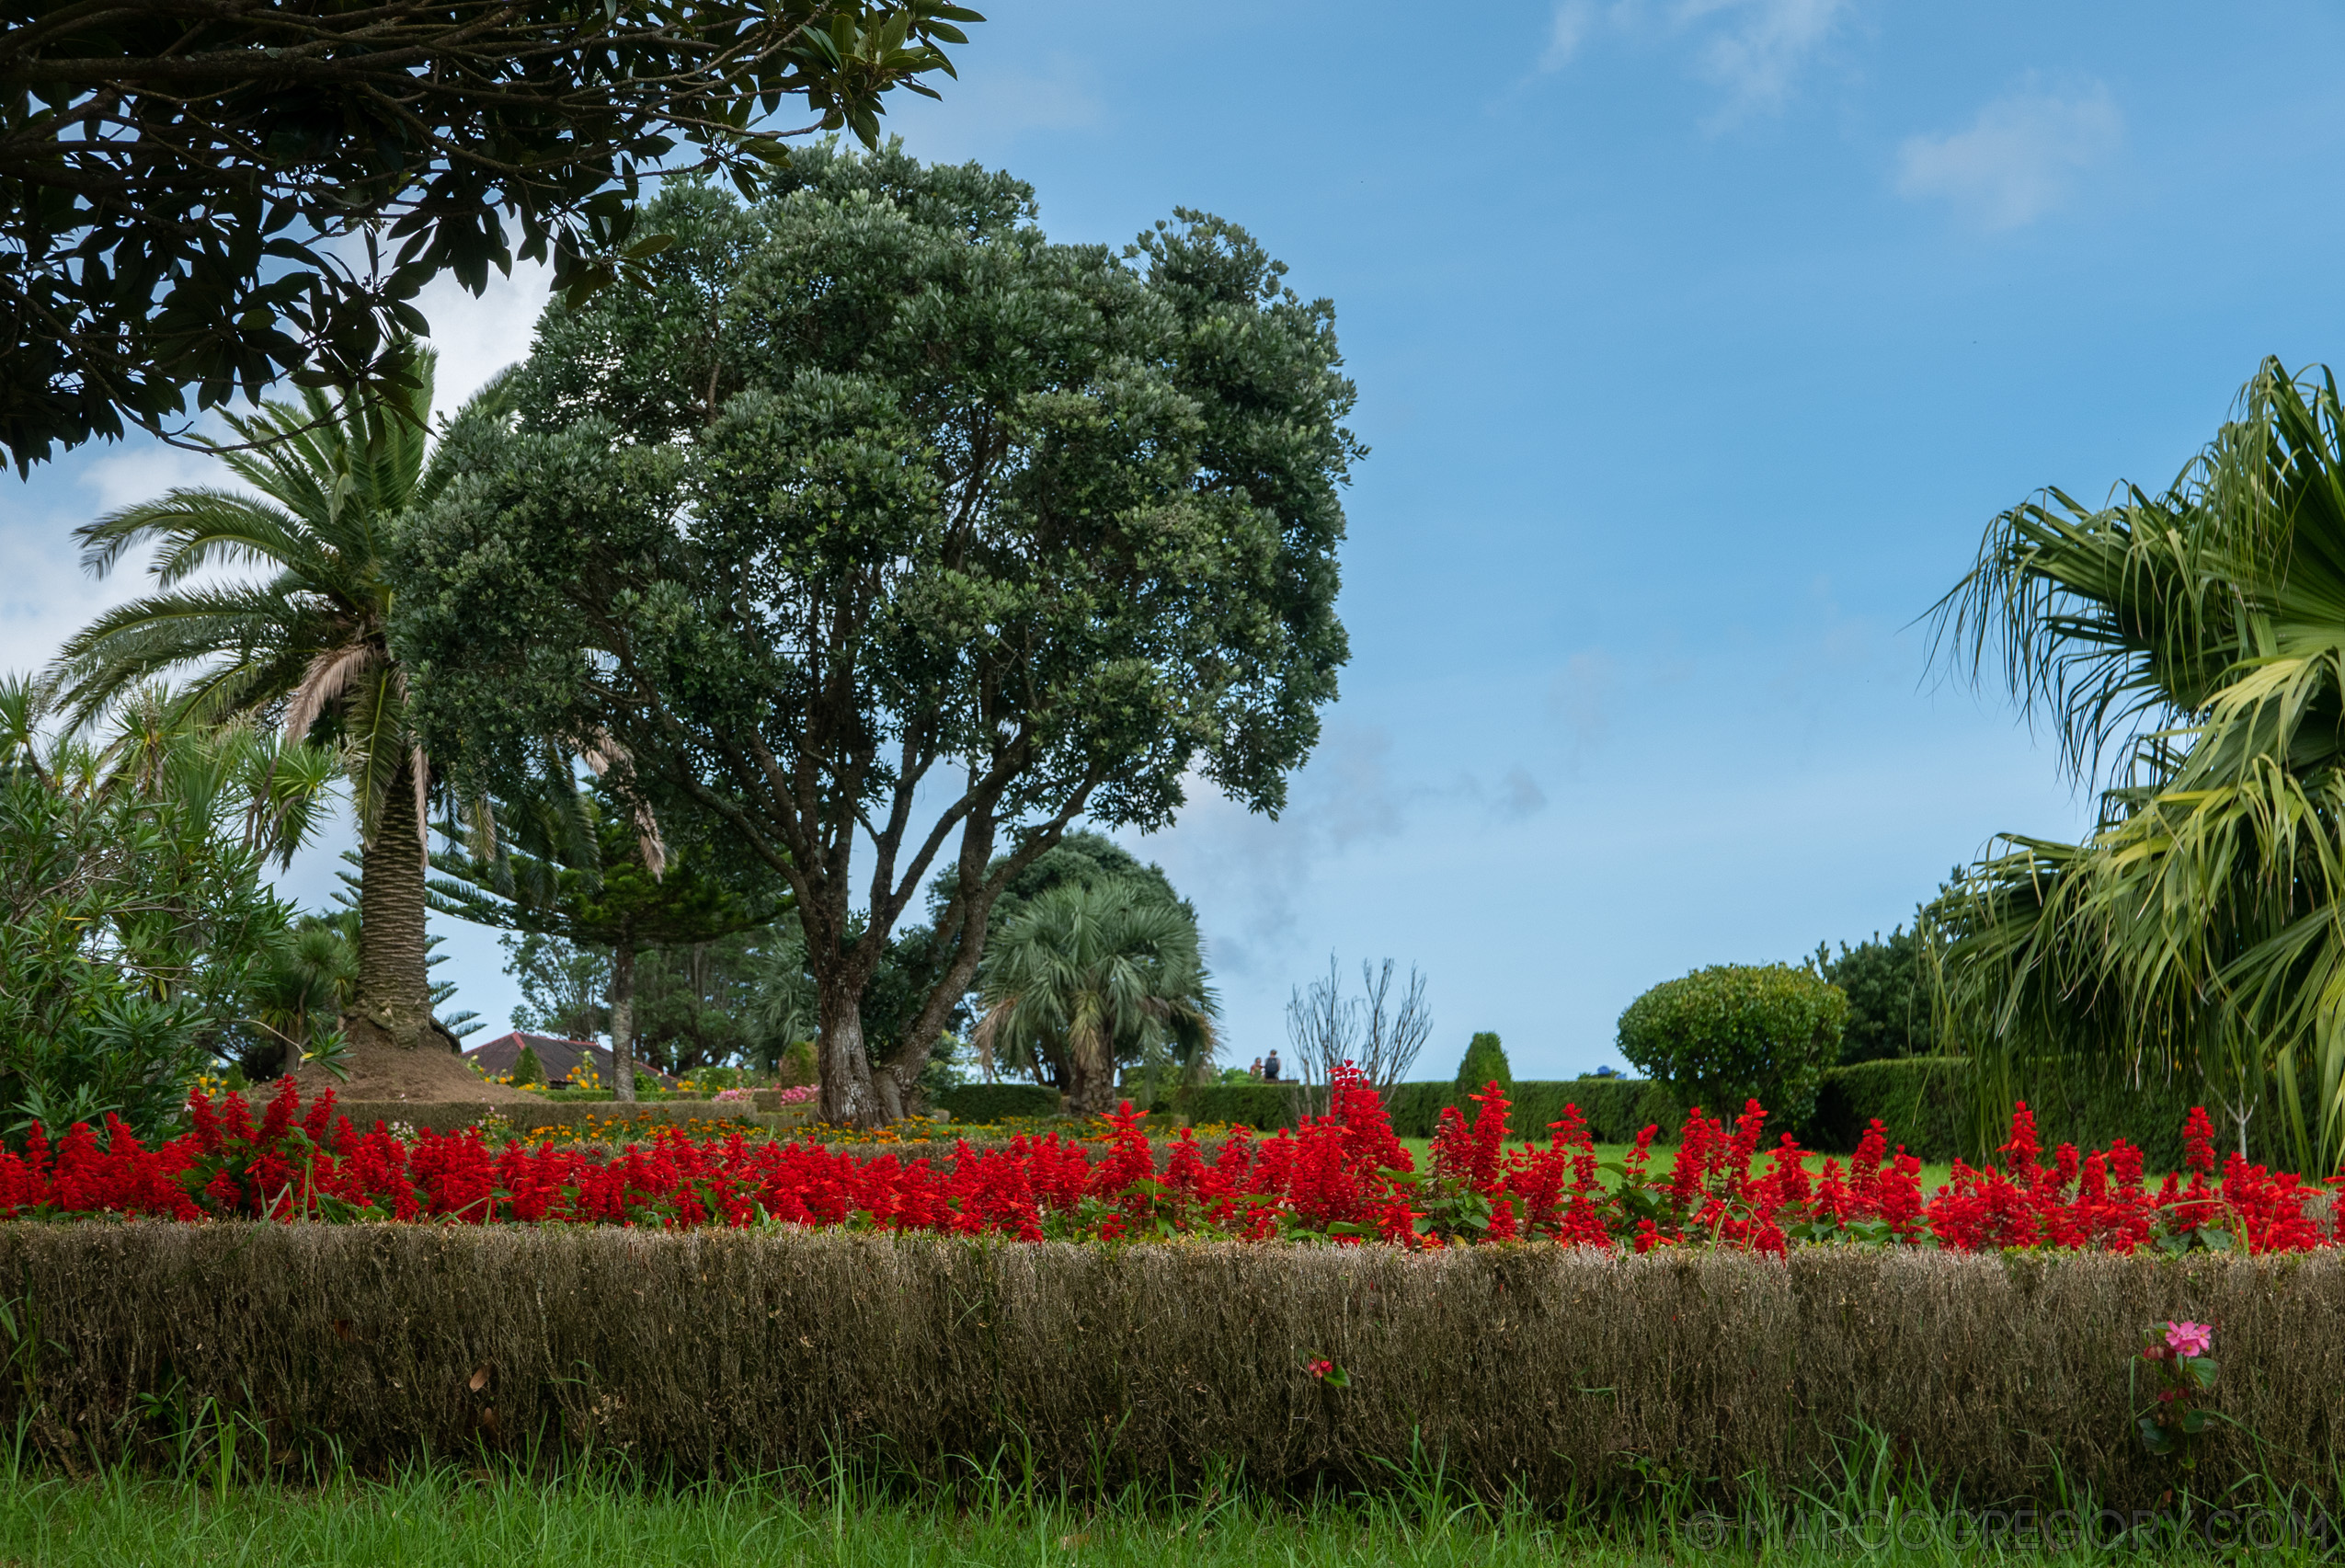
{"points": [[1380, 1031]]}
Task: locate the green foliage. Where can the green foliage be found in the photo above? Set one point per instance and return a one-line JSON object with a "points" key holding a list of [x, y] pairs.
{"points": [[527, 1069], [695, 1003], [1616, 1109], [563, 985], [1927, 1104], [1924, 1104], [796, 1067], [2191, 633], [1732, 1033], [305, 647], [138, 939], [1890, 1004], [1264, 1106], [738, 526], [150, 149], [1089, 978], [983, 1103], [575, 866], [1485, 1062]]}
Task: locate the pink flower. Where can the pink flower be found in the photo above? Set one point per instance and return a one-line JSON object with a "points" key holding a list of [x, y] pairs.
{"points": [[2190, 1339]]}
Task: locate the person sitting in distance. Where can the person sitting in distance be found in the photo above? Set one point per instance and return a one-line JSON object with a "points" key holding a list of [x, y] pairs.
{"points": [[1255, 1071], [1270, 1067]]}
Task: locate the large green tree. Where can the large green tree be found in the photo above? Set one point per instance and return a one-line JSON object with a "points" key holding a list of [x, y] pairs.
{"points": [[1890, 1004], [876, 524], [2196, 636], [211, 196], [303, 648]]}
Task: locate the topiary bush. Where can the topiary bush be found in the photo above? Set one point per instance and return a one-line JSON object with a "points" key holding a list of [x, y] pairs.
{"points": [[1485, 1060], [527, 1069], [1733, 1032], [997, 1101]]}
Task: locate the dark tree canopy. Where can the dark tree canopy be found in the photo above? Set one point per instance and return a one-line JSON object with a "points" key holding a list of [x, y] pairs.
{"points": [[1890, 1004], [211, 196], [872, 518]]}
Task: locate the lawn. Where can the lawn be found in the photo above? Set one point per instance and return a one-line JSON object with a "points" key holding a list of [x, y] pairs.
{"points": [[445, 1519]]}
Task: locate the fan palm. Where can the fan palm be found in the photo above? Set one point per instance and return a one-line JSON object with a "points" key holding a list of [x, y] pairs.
{"points": [[2198, 636], [306, 647], [1088, 976]]}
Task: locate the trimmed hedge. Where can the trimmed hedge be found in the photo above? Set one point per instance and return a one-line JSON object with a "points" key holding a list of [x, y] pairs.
{"points": [[1924, 1101], [454, 1115], [1616, 1109], [997, 1101], [1266, 1107], [1560, 1373]]}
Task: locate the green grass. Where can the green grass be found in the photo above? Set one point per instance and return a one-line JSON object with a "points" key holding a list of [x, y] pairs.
{"points": [[447, 1517]]}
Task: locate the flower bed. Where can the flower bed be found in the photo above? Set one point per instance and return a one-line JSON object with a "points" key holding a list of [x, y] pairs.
{"points": [[1343, 1177]]}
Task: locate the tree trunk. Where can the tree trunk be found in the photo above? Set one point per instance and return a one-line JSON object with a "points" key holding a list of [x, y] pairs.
{"points": [[623, 1022], [395, 1049], [849, 1098], [1091, 1079], [394, 987]]}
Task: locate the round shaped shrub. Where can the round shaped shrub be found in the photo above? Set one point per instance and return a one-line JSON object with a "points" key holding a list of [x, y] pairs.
{"points": [[1733, 1033]]}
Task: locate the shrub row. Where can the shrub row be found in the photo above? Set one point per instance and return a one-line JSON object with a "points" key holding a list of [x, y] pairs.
{"points": [[1926, 1103], [453, 1116], [1552, 1370], [998, 1102], [1266, 1107]]}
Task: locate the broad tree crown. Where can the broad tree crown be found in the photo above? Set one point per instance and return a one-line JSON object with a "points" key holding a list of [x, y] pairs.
{"points": [[876, 519]]}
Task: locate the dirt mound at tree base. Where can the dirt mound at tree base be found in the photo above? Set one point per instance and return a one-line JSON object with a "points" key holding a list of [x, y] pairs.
{"points": [[378, 1067]]}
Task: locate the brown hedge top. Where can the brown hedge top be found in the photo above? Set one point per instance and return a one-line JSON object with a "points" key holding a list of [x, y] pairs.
{"points": [[1527, 1366]]}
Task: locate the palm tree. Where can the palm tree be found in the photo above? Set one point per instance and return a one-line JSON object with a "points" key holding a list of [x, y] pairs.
{"points": [[306, 649], [1089, 975], [2197, 635]]}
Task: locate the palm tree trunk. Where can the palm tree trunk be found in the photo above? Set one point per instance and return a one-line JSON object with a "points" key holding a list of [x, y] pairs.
{"points": [[394, 987], [623, 1022]]}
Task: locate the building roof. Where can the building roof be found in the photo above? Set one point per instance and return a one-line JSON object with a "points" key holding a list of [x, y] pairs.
{"points": [[559, 1059]]}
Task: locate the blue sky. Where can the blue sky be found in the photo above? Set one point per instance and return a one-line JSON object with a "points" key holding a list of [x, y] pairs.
{"points": [[1696, 342]]}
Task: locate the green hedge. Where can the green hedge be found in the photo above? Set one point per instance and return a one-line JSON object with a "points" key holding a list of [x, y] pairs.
{"points": [[453, 1116], [1923, 1101], [998, 1102], [1555, 1375], [1926, 1103], [1616, 1109], [1263, 1106]]}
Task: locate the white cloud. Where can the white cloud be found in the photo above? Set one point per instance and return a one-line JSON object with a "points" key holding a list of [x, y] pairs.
{"points": [[2018, 160], [1573, 21], [479, 335], [1758, 51], [143, 473]]}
